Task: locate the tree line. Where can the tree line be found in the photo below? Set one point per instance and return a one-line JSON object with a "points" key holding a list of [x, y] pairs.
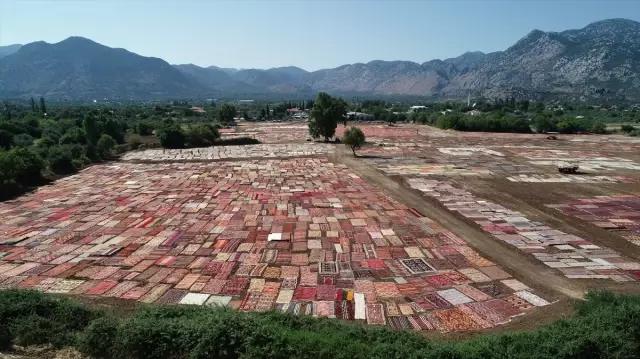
{"points": [[35, 144]]}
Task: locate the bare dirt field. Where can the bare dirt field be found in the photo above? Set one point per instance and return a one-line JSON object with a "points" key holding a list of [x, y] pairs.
{"points": [[426, 230]]}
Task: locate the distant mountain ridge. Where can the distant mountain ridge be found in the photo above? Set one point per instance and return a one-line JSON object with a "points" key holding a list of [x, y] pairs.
{"points": [[601, 58], [78, 68], [9, 49]]}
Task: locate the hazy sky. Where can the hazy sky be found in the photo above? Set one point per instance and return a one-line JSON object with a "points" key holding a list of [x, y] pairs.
{"points": [[308, 34]]}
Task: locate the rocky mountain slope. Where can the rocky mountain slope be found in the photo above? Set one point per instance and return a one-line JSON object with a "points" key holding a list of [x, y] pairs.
{"points": [[601, 58], [8, 50], [78, 68]]}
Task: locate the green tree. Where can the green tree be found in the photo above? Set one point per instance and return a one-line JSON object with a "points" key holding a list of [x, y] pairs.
{"points": [[135, 141], [114, 129], [268, 112], [542, 124], [23, 140], [20, 166], [598, 127], [245, 115], [392, 118], [226, 113], [6, 139], [74, 135], [43, 107], [90, 128], [32, 165], [60, 160], [354, 138], [626, 128], [202, 135], [144, 128], [325, 115], [105, 145], [33, 105], [171, 135]]}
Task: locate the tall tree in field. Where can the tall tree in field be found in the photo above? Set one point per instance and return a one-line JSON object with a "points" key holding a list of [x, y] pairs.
{"points": [[226, 113], [268, 112], [91, 128], [325, 115], [33, 105], [354, 138], [43, 108]]}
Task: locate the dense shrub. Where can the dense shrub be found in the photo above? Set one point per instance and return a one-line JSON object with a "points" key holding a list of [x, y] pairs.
{"points": [[5, 337], [203, 135], [144, 128], [598, 127], [74, 135], [603, 326], [19, 167], [135, 141], [99, 338], [483, 123], [6, 139], [634, 133], [33, 318], [60, 160], [23, 140], [115, 129], [627, 128], [200, 135], [171, 135], [105, 145]]}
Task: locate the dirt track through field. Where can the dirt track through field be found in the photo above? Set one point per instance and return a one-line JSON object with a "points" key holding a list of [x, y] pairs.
{"points": [[518, 265]]}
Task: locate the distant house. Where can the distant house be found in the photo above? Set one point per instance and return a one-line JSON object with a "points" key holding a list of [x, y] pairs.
{"points": [[417, 108], [359, 116], [198, 109], [473, 113]]}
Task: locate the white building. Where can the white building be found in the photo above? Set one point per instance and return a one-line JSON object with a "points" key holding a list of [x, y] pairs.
{"points": [[359, 116], [417, 108]]}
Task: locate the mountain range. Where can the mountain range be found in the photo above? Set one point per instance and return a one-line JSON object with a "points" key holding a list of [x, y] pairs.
{"points": [[601, 59]]}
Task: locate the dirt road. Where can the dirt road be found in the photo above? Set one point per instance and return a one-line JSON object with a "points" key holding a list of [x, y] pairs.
{"points": [[517, 264]]}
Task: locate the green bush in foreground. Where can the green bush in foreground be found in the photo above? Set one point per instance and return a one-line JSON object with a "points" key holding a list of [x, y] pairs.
{"points": [[603, 326]]}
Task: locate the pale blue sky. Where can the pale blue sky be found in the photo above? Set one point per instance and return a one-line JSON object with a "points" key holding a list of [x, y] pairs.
{"points": [[308, 34]]}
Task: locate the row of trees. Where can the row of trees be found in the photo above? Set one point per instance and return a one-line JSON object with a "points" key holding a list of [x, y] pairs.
{"points": [[567, 124], [35, 145], [483, 123], [171, 134]]}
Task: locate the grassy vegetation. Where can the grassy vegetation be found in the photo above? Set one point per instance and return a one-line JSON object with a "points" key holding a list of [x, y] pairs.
{"points": [[603, 326]]}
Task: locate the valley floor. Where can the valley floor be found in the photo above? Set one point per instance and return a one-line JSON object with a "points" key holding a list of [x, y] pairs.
{"points": [[428, 230]]}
